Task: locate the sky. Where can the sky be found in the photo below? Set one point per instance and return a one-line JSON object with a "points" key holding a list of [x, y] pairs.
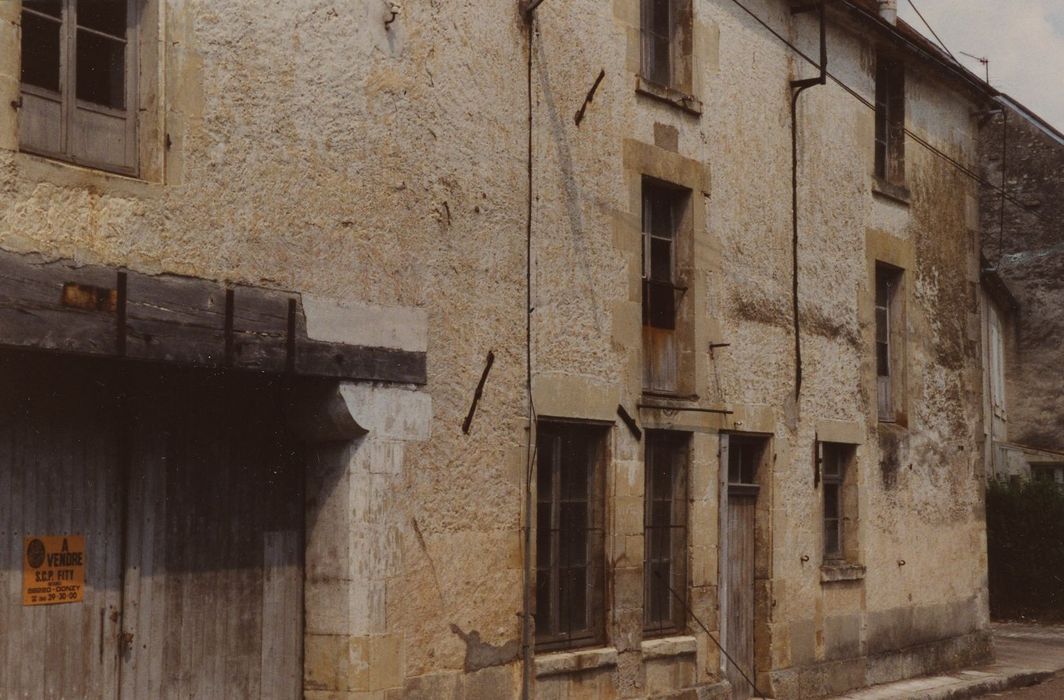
{"points": [[1024, 40]]}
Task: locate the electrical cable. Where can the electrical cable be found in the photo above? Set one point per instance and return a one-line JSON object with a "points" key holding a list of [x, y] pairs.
{"points": [[530, 446], [945, 156], [933, 33], [709, 634]]}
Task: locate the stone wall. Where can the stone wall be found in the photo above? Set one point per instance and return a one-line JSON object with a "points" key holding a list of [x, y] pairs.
{"points": [[380, 161]]}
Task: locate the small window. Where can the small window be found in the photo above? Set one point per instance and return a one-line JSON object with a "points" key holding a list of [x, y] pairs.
{"points": [[666, 28], [663, 213], [890, 120], [888, 348], [837, 474], [569, 536], [78, 81], [665, 533], [996, 357]]}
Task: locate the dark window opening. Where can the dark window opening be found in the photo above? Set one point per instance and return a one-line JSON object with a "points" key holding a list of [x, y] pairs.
{"points": [[101, 70], [890, 120], [569, 535], [657, 38], [40, 45], [744, 457], [665, 533], [662, 214]]}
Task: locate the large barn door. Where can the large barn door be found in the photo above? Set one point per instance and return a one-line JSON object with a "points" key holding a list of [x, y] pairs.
{"points": [[184, 495], [739, 461], [214, 591], [60, 484]]}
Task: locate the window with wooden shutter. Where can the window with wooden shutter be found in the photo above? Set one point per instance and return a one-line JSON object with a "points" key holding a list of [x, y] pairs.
{"points": [[570, 535], [663, 211], [890, 120], [78, 82], [665, 533]]}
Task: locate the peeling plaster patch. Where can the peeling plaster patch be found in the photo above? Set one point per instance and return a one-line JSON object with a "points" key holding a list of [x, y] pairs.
{"points": [[482, 654]]}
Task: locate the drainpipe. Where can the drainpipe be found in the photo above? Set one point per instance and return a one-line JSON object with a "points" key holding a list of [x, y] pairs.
{"points": [[888, 11], [797, 88]]}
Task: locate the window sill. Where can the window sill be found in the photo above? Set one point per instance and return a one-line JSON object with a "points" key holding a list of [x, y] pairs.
{"points": [[888, 190], [668, 647], [836, 571], [558, 663], [668, 95]]}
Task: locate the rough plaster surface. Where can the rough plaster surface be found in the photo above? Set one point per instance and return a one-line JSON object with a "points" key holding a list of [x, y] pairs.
{"points": [[313, 148]]}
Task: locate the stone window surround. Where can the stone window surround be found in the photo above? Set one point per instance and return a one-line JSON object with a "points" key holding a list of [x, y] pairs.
{"points": [[642, 160], [852, 433], [883, 247]]}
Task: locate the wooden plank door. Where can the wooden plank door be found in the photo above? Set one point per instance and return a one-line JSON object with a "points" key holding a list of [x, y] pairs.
{"points": [[214, 591], [739, 511], [60, 474]]}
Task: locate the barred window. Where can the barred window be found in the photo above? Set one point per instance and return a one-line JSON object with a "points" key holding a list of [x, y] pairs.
{"points": [[569, 535], [665, 538]]}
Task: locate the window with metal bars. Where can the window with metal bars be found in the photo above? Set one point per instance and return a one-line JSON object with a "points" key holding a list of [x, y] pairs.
{"points": [[890, 120], [78, 81], [570, 588], [840, 500], [665, 533], [888, 351]]}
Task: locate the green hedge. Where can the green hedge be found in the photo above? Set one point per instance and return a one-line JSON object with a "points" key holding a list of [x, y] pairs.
{"points": [[1025, 548]]}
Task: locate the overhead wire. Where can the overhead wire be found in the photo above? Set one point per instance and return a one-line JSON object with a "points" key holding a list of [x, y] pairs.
{"points": [[967, 171], [933, 32]]}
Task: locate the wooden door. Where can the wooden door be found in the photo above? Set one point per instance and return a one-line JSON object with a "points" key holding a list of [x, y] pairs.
{"points": [[60, 475], [188, 493], [214, 592], [739, 460]]}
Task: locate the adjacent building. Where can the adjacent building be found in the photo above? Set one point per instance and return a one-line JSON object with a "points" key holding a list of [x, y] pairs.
{"points": [[626, 348], [1023, 246]]}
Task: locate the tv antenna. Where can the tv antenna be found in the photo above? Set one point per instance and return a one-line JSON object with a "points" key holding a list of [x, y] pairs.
{"points": [[982, 59]]}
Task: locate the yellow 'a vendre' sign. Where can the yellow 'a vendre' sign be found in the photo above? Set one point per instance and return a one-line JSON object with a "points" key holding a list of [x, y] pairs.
{"points": [[53, 569]]}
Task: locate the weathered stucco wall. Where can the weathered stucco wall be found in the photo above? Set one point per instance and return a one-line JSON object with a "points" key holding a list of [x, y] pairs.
{"points": [[311, 146], [1025, 245]]}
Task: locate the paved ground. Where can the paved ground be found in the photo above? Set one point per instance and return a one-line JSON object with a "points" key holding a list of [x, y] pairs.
{"points": [[1025, 655], [1053, 689]]}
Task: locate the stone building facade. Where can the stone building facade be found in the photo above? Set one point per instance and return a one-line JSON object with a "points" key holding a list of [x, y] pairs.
{"points": [[579, 371], [1024, 250]]}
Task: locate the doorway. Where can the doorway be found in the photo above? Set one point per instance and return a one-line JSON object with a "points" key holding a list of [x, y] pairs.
{"points": [[186, 491], [741, 458]]}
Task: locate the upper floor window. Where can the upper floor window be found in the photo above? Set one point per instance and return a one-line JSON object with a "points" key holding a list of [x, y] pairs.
{"points": [[666, 28], [890, 120], [663, 213], [570, 535], [78, 81], [889, 347]]}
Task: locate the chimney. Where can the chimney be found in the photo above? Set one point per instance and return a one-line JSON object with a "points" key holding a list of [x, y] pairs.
{"points": [[888, 10]]}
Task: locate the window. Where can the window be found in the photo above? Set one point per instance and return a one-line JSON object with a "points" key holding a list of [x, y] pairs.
{"points": [[665, 538], [663, 212], [1049, 473], [666, 27], [889, 351], [569, 535], [996, 357], [840, 502], [890, 120], [78, 81]]}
